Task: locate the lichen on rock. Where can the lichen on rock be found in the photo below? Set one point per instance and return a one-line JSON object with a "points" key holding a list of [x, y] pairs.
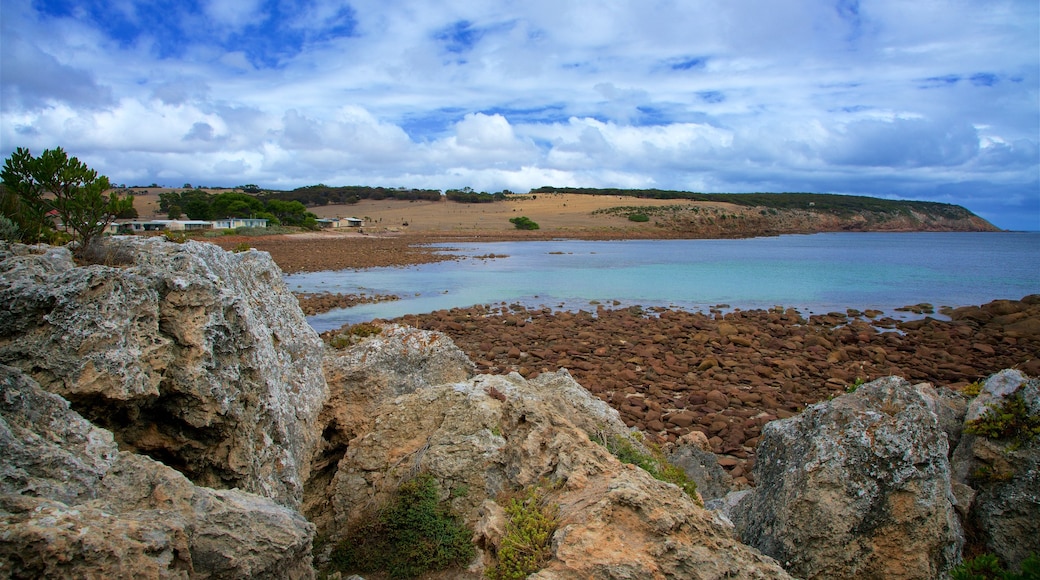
{"points": [[72, 505], [194, 356], [859, 486]]}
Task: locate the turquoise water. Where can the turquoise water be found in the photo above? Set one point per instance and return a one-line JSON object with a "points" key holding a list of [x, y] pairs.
{"points": [[814, 273]]}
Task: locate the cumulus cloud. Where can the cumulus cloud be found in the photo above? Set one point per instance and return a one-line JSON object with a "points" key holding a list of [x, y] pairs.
{"points": [[883, 98]]}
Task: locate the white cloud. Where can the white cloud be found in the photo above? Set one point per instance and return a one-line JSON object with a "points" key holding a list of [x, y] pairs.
{"points": [[887, 98]]}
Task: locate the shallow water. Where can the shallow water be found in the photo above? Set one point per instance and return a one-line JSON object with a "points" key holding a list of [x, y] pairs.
{"points": [[813, 273]]}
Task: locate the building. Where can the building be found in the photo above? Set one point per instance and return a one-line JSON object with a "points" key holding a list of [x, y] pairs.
{"points": [[140, 227], [350, 222], [232, 223]]}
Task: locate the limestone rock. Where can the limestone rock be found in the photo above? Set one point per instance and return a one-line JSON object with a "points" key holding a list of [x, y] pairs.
{"points": [[856, 487], [1004, 475], [490, 434], [72, 506], [195, 356], [63, 462], [693, 454], [398, 361]]}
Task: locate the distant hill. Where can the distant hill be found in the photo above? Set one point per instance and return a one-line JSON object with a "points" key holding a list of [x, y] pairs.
{"points": [[779, 213]]}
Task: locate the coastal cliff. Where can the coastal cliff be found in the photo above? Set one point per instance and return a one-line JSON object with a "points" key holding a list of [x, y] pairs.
{"points": [[701, 215], [177, 394]]}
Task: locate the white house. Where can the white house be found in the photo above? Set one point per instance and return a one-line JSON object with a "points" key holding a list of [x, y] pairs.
{"points": [[232, 223], [139, 226]]}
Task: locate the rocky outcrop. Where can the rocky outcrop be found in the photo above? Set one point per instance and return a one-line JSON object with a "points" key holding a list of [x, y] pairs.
{"points": [[194, 356], [859, 486], [73, 505], [364, 376], [486, 435], [1000, 477], [126, 387]]}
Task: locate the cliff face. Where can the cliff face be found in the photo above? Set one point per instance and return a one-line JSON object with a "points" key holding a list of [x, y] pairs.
{"points": [[742, 221]]}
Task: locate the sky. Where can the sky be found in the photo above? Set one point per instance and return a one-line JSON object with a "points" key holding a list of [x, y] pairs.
{"points": [[928, 100]]}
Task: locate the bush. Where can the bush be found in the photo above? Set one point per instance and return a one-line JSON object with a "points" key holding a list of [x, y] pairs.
{"points": [[413, 534], [105, 253], [653, 463], [526, 546], [523, 223], [988, 567], [638, 217], [1009, 420], [176, 237], [9, 230], [353, 334]]}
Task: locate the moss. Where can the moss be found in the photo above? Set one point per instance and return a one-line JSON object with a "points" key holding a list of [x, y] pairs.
{"points": [[413, 534]]}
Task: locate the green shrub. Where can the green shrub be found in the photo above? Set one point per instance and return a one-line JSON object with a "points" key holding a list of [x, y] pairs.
{"points": [[526, 545], [413, 534], [241, 247], [972, 390], [653, 463], [859, 382], [1009, 420], [638, 217], [176, 237], [9, 230], [351, 335], [523, 223], [988, 567]]}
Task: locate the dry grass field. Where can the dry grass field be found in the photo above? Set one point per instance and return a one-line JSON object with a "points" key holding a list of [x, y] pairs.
{"points": [[556, 214]]}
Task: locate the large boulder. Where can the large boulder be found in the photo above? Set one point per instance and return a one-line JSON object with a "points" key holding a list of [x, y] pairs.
{"points": [[360, 378], [486, 435], [856, 487], [194, 356], [1003, 473], [73, 505]]}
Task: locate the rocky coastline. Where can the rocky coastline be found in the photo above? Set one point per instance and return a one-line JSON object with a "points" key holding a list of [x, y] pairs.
{"points": [[669, 372], [170, 414]]}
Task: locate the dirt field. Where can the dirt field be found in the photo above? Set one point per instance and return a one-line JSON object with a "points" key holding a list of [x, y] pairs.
{"points": [[396, 232], [556, 214]]}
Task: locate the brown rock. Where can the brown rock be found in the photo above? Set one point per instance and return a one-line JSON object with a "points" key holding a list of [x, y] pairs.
{"points": [[682, 419]]}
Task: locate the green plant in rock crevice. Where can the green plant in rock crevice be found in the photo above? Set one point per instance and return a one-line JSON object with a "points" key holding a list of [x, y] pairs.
{"points": [[654, 463], [1010, 420], [988, 567], [412, 534], [526, 545]]}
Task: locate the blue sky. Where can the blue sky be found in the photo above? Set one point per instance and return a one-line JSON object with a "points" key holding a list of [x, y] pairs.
{"points": [[932, 100]]}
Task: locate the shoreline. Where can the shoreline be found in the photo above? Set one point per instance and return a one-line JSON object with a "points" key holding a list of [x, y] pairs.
{"points": [[669, 372], [333, 250], [724, 372]]}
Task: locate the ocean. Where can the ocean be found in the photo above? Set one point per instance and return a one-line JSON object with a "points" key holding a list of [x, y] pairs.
{"points": [[813, 273]]}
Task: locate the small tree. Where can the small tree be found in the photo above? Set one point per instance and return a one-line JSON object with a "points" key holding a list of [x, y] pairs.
{"points": [[55, 182]]}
